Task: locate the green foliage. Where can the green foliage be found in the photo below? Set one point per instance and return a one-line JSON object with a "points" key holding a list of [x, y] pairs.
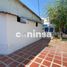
{"points": [[58, 14]]}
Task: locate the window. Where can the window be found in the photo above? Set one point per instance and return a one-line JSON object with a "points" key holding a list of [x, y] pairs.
{"points": [[46, 29], [51, 30], [36, 24], [18, 19], [21, 20]]}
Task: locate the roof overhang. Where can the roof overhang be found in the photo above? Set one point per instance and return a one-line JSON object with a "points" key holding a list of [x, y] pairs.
{"points": [[21, 17]]}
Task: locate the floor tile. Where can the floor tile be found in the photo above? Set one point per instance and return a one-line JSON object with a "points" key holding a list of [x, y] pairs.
{"points": [[2, 65], [34, 65], [58, 54], [20, 59], [58, 57], [21, 65], [65, 64], [64, 54], [38, 60], [55, 65], [8, 61], [20, 54], [65, 59], [4, 58], [57, 61], [48, 58], [14, 64], [47, 63], [25, 62], [41, 56], [31, 57], [50, 55], [43, 53], [15, 57]]}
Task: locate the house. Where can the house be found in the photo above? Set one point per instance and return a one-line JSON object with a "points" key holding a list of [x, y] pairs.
{"points": [[16, 17], [48, 27]]}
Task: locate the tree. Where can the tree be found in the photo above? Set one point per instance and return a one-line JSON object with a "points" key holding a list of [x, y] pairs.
{"points": [[58, 15]]}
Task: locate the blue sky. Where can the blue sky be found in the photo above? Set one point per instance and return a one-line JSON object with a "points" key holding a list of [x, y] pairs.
{"points": [[33, 5]]}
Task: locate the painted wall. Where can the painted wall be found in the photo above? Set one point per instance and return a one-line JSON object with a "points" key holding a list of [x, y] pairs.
{"points": [[14, 7], [3, 34], [10, 28]]}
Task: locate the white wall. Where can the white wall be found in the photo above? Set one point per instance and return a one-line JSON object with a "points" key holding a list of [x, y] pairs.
{"points": [[3, 34], [12, 27]]}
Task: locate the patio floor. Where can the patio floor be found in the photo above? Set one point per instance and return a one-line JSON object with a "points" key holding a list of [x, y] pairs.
{"points": [[37, 55]]}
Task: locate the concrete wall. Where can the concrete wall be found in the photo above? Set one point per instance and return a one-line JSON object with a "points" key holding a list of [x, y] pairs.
{"points": [[10, 28], [3, 34], [15, 7]]}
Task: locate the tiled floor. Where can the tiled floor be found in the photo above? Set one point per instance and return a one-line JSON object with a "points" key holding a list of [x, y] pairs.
{"points": [[23, 56], [49, 57], [53, 56], [37, 55]]}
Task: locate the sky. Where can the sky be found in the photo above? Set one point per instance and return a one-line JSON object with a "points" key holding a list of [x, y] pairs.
{"points": [[43, 5]]}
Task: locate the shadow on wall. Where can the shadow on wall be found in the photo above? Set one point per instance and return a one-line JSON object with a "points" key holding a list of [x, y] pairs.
{"points": [[26, 54]]}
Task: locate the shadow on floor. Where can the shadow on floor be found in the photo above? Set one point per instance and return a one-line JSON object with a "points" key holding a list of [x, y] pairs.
{"points": [[26, 54]]}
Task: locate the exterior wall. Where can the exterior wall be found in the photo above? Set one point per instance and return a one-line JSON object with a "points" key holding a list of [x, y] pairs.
{"points": [[3, 34], [15, 7], [12, 27]]}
